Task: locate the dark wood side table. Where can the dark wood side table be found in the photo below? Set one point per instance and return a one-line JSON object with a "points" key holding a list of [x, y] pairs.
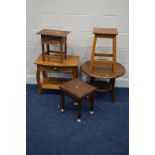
{"points": [[78, 90], [103, 71], [54, 37], [69, 65]]}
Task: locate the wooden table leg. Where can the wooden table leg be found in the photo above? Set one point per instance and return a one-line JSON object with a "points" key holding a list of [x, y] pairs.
{"points": [[62, 101], [75, 72], [79, 110], [48, 49], [43, 52], [38, 80], [91, 104], [92, 80], [112, 81], [44, 74]]}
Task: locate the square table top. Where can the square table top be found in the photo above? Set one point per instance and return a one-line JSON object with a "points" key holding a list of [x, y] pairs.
{"points": [[52, 60], [105, 31], [56, 33], [77, 88]]}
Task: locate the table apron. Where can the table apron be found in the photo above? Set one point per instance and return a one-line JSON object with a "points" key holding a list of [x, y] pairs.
{"points": [[75, 97]]}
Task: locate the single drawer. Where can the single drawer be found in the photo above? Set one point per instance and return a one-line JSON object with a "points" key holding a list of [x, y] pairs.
{"points": [[56, 68]]}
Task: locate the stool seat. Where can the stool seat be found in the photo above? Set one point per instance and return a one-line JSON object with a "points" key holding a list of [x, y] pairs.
{"points": [[109, 31], [77, 88], [56, 33]]}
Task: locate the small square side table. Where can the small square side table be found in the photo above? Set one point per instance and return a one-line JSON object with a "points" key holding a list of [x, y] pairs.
{"points": [[78, 90], [54, 37]]}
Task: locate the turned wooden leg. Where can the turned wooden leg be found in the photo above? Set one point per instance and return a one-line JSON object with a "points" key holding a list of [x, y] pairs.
{"points": [[112, 81], [38, 80], [62, 101], [91, 104], [79, 110]]}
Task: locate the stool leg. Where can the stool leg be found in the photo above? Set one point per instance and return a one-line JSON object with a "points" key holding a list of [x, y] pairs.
{"points": [[62, 102], [91, 104], [61, 51], [93, 53], [114, 54], [79, 111]]}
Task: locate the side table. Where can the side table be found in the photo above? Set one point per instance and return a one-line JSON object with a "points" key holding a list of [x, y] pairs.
{"points": [[54, 37], [103, 71], [69, 65], [78, 90]]}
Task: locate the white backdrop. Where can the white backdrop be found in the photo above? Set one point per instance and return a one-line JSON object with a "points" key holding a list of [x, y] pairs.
{"points": [[79, 17]]}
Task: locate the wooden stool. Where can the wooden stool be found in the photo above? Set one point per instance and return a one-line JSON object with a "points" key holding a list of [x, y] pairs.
{"points": [[104, 33], [78, 90], [54, 37]]}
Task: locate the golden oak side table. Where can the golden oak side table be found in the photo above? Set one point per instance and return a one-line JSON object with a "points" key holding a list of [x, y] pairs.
{"points": [[69, 65]]}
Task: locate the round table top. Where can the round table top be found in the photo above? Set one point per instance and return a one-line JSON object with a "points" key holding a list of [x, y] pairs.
{"points": [[103, 70]]}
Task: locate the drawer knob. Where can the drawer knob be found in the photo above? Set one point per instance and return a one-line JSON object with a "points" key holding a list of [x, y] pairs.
{"points": [[55, 68]]}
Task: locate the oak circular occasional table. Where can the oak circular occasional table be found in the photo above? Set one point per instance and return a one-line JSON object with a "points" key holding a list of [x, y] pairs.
{"points": [[100, 75]]}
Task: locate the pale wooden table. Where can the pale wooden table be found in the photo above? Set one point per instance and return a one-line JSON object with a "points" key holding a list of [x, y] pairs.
{"points": [[51, 64]]}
